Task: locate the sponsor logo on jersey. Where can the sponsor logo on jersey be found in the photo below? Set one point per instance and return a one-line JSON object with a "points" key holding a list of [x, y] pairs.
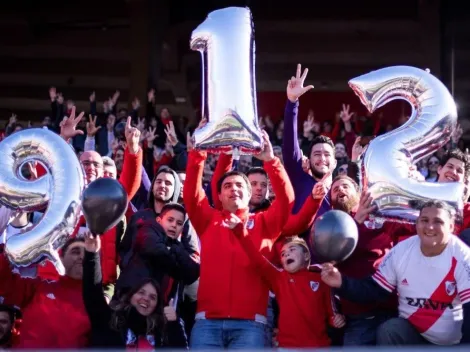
{"points": [[427, 303], [314, 285]]}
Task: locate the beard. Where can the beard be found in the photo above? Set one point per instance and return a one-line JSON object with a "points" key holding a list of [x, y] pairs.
{"points": [[317, 174], [346, 205]]}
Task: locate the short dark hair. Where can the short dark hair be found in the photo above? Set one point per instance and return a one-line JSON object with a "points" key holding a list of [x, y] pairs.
{"points": [[233, 173], [438, 204], [459, 155], [322, 140], [344, 177], [69, 242], [172, 206], [256, 170]]}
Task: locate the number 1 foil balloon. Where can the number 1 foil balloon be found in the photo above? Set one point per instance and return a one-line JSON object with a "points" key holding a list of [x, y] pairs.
{"points": [[388, 158], [227, 46], [60, 190]]}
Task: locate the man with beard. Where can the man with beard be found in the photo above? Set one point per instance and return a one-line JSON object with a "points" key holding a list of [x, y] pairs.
{"points": [[362, 320], [322, 154]]}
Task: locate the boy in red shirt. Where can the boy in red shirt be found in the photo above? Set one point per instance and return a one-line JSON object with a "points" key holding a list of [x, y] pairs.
{"points": [[305, 302]]}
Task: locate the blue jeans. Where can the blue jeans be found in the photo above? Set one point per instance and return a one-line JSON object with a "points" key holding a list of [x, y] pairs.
{"points": [[363, 331], [227, 333]]}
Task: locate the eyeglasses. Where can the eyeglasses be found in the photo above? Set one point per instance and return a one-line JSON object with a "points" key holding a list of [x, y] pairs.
{"points": [[95, 164]]}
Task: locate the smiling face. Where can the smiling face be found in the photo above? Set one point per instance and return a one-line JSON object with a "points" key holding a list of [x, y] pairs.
{"points": [[434, 228], [145, 299], [234, 193], [164, 187], [452, 171], [294, 257], [322, 159]]}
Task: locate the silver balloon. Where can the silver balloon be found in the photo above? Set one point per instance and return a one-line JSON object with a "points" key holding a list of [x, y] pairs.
{"points": [[334, 236], [60, 190], [227, 46], [388, 158]]}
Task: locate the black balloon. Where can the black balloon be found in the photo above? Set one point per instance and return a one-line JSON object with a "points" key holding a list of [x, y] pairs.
{"points": [[334, 236], [120, 131], [104, 203]]}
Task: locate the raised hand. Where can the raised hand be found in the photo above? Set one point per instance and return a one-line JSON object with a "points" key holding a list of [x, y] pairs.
{"points": [[141, 124], [150, 136], [331, 276], [357, 150], [308, 125], [91, 128], [345, 115], [457, 134], [52, 93], [295, 86], [69, 124], [267, 154], [365, 207], [171, 134], [151, 96], [92, 97], [132, 137], [92, 242]]}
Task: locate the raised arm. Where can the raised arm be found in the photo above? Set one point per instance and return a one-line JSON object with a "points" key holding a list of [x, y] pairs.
{"points": [[93, 297], [276, 216], [195, 200], [131, 174]]}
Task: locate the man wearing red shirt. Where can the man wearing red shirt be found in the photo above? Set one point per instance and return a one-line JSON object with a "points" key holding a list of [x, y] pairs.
{"points": [[54, 315], [232, 301]]}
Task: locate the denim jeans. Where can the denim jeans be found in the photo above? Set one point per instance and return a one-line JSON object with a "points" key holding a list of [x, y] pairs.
{"points": [[228, 333], [362, 331]]}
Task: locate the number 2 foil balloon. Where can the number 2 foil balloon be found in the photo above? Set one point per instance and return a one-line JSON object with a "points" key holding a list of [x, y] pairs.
{"points": [[227, 46], [59, 190], [387, 160]]}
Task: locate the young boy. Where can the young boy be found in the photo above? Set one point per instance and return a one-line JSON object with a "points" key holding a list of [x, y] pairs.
{"points": [[305, 302]]}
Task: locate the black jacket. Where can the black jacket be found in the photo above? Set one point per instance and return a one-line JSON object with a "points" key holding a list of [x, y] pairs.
{"points": [[99, 312]]}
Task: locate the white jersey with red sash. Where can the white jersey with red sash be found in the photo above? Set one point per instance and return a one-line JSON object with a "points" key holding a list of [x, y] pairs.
{"points": [[431, 290]]}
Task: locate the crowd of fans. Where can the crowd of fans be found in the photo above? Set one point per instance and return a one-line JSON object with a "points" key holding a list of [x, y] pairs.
{"points": [[215, 252]]}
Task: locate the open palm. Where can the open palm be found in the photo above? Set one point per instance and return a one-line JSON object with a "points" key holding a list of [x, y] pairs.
{"points": [[295, 86]]}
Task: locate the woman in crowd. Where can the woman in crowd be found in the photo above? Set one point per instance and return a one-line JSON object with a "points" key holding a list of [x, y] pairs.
{"points": [[137, 320]]}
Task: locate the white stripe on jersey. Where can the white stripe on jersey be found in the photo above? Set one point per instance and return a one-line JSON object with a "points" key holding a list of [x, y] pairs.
{"points": [[431, 290]]}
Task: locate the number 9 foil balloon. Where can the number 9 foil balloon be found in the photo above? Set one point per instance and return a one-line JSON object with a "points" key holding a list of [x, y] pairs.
{"points": [[227, 46], [388, 158], [60, 190]]}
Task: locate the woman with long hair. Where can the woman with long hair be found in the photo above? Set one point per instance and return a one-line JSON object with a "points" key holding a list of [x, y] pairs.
{"points": [[136, 320]]}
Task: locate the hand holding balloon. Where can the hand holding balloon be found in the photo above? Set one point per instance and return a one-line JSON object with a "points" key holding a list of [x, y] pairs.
{"points": [[267, 154], [295, 86], [92, 243], [331, 276]]}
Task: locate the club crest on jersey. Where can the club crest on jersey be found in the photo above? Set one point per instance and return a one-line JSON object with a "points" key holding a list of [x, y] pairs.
{"points": [[450, 287], [314, 286], [250, 223]]}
